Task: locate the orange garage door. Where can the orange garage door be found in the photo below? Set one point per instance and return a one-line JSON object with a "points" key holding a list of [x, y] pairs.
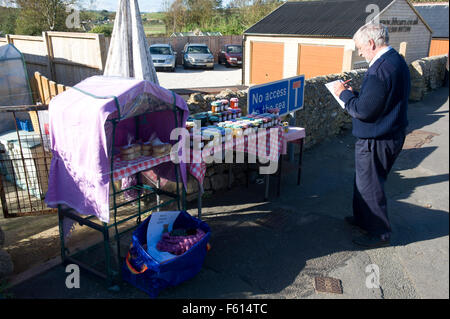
{"points": [[315, 60], [267, 62], [438, 47]]}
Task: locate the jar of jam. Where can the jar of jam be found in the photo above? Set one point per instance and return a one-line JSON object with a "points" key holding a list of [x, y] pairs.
{"points": [[234, 103], [225, 104]]}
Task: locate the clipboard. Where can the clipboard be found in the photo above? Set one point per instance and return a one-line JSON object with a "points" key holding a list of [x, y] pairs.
{"points": [[330, 88]]}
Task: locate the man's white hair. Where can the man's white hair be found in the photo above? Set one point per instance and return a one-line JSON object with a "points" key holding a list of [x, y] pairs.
{"points": [[372, 31]]}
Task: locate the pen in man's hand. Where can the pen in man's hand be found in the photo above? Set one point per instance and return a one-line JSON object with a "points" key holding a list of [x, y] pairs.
{"points": [[345, 83]]}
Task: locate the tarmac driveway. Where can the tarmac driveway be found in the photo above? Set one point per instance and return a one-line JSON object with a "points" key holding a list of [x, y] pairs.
{"points": [[196, 78]]}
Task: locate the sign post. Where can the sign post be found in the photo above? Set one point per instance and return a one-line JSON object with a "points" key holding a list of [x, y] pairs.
{"points": [[287, 95]]}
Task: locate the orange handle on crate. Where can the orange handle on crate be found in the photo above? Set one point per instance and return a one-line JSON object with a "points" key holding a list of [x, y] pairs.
{"points": [[132, 269]]}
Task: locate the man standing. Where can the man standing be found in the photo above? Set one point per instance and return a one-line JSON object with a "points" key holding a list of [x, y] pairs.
{"points": [[379, 113]]}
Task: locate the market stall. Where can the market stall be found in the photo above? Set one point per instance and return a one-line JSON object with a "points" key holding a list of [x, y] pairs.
{"points": [[104, 132], [223, 132]]}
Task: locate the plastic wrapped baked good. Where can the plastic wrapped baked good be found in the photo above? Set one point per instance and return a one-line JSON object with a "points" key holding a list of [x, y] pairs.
{"points": [[130, 152], [160, 148]]}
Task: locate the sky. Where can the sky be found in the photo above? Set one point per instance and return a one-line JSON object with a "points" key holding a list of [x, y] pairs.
{"points": [[144, 5]]}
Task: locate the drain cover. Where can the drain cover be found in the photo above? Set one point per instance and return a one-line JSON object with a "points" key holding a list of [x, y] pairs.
{"points": [[329, 285], [417, 138]]}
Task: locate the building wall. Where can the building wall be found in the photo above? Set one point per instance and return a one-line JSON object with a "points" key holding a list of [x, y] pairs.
{"points": [[417, 36], [291, 50]]}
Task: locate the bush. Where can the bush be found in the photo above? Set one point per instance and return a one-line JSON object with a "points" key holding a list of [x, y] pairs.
{"points": [[106, 30]]}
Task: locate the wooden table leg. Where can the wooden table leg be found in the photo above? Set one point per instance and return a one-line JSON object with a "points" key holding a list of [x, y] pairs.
{"points": [[266, 193], [230, 172], [199, 201], [300, 162], [279, 174]]}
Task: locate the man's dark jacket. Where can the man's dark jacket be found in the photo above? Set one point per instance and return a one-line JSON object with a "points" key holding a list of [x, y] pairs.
{"points": [[379, 110]]}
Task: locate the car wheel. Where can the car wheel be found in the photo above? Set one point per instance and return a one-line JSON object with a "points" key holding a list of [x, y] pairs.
{"points": [[211, 68]]}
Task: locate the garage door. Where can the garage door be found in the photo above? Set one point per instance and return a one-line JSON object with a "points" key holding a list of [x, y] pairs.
{"points": [[438, 47], [315, 60], [267, 62]]}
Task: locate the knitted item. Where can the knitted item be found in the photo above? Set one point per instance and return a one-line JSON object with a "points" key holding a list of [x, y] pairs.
{"points": [[178, 245]]}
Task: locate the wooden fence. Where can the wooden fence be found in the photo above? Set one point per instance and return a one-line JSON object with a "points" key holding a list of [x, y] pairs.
{"points": [[44, 89], [69, 58], [63, 57]]}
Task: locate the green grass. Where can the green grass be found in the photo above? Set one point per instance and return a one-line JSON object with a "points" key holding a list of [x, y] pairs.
{"points": [[154, 29], [154, 15], [149, 29]]}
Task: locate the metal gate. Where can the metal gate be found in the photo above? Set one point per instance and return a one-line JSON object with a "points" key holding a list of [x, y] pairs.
{"points": [[25, 159]]}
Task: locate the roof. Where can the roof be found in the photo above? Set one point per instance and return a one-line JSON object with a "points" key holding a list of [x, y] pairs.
{"points": [[436, 15], [326, 18], [161, 45], [195, 34], [197, 44], [183, 34]]}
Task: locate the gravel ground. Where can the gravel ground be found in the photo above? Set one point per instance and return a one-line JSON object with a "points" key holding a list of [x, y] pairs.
{"points": [[200, 78]]}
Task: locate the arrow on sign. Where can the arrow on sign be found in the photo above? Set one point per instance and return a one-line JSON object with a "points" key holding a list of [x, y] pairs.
{"points": [[296, 85]]}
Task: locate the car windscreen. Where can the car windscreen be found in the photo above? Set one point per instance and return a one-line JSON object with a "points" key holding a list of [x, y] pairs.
{"points": [[234, 49], [160, 50], [199, 49]]}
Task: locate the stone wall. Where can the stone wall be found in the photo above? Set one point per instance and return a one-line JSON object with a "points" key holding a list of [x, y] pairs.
{"points": [[322, 116], [427, 74]]}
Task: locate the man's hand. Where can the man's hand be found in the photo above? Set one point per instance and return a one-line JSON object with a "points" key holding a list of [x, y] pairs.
{"points": [[339, 87]]}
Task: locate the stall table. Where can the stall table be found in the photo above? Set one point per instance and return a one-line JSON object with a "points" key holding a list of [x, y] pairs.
{"points": [[296, 135]]}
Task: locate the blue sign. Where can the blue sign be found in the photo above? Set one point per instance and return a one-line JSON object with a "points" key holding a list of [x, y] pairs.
{"points": [[286, 95]]}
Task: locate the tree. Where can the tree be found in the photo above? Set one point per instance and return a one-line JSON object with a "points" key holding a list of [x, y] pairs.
{"points": [[175, 17], [251, 11], [37, 16], [8, 18], [201, 12]]}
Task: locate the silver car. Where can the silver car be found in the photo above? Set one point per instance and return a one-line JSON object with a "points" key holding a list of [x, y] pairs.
{"points": [[197, 55], [163, 57]]}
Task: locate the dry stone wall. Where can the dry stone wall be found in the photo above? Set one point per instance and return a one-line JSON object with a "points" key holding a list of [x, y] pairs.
{"points": [[427, 74]]}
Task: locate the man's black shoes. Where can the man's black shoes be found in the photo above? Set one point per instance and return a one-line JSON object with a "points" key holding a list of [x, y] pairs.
{"points": [[366, 240], [369, 241], [351, 221]]}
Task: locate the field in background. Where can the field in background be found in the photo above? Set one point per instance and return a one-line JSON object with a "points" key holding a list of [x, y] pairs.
{"points": [[153, 23]]}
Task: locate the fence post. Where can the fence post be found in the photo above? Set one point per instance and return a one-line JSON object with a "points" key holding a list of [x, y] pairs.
{"points": [[102, 49], [48, 45], [8, 39], [402, 49]]}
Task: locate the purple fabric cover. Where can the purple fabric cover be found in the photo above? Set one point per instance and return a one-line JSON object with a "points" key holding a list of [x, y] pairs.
{"points": [[81, 139]]}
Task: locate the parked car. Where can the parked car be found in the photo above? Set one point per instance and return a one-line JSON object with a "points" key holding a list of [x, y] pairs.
{"points": [[163, 57], [197, 55], [231, 55]]}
